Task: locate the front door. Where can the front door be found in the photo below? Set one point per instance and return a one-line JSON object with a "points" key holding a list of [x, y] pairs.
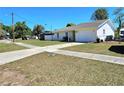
{"points": [[73, 35]]}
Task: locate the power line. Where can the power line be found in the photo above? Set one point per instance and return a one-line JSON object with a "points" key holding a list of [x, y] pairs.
{"points": [[25, 19], [12, 15]]}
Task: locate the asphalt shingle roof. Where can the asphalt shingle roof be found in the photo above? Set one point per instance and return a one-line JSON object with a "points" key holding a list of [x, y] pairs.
{"points": [[83, 26]]}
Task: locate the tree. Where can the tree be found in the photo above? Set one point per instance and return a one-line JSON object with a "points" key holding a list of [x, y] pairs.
{"points": [[122, 25], [37, 30], [119, 18], [1, 32], [70, 24], [21, 30], [100, 14], [8, 29]]}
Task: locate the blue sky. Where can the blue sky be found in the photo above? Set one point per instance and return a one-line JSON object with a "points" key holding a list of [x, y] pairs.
{"points": [[58, 17]]}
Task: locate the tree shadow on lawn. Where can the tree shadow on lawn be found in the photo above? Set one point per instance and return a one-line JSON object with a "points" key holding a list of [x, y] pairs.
{"points": [[117, 49]]}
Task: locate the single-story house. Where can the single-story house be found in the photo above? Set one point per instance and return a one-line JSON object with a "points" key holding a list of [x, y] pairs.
{"points": [[49, 36], [85, 32]]}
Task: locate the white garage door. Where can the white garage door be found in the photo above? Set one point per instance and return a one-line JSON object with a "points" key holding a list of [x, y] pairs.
{"points": [[85, 36]]}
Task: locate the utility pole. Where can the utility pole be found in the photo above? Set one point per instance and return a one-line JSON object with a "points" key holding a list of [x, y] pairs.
{"points": [[13, 26]]}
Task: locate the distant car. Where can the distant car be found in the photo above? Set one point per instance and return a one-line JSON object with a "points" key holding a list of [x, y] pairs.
{"points": [[122, 34]]}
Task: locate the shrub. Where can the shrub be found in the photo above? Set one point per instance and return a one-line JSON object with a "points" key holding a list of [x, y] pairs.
{"points": [[65, 38], [98, 40]]}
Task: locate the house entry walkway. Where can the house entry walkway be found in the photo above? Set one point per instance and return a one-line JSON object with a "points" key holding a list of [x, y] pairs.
{"points": [[7, 57]]}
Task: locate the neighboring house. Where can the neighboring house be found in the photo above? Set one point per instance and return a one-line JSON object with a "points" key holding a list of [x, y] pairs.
{"points": [[86, 32], [48, 35]]}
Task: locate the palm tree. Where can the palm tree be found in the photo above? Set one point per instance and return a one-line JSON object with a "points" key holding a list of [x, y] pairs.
{"points": [[21, 29], [119, 18], [2, 32], [100, 14], [8, 29], [37, 30]]}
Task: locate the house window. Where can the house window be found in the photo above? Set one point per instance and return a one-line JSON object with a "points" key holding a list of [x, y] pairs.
{"points": [[57, 35], [103, 31]]}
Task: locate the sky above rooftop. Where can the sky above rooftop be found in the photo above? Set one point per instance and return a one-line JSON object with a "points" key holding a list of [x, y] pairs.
{"points": [[55, 17]]}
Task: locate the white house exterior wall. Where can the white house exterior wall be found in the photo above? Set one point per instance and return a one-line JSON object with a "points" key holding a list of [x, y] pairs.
{"points": [[108, 31], [70, 35], [61, 35], [85, 36], [55, 37], [48, 37]]}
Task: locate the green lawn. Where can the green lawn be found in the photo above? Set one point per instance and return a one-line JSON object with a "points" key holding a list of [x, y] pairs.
{"points": [[9, 47], [99, 48], [46, 69], [40, 42]]}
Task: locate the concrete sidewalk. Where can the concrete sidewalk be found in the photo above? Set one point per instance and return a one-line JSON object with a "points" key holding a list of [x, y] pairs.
{"points": [[99, 57], [56, 46], [5, 41], [16, 55], [7, 57], [25, 45]]}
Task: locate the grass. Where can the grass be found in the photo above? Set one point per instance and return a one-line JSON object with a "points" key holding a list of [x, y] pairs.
{"points": [[40, 42], [47, 69], [99, 48], [9, 47]]}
